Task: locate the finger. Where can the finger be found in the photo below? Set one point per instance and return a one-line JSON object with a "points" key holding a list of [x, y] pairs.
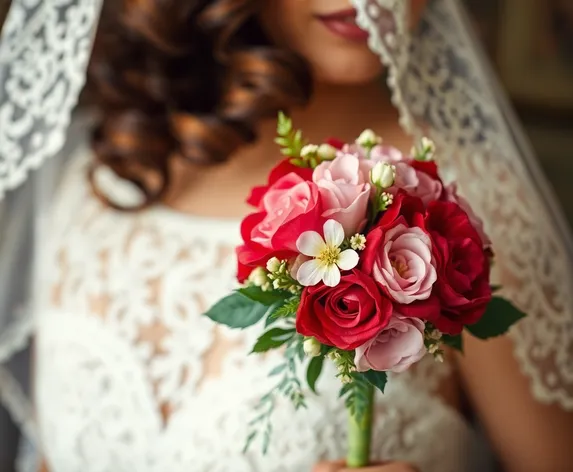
{"points": [[385, 467], [329, 466]]}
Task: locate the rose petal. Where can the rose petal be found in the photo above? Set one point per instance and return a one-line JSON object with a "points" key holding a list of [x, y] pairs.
{"points": [[333, 233], [348, 259], [331, 276], [310, 243]]}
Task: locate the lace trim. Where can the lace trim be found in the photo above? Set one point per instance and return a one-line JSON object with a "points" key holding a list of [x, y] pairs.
{"points": [[44, 50]]}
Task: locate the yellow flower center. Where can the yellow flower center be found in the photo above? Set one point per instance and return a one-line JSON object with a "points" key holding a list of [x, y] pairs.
{"points": [[329, 255], [400, 266]]}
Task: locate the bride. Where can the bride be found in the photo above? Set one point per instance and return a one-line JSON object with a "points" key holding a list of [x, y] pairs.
{"points": [[129, 377]]}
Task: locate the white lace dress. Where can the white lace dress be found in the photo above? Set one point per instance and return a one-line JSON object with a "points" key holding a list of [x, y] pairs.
{"points": [[130, 377]]}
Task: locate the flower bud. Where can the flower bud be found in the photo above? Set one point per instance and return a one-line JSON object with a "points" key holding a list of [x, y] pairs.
{"points": [[273, 265], [258, 277], [383, 175], [309, 150], [424, 150], [311, 347], [326, 152], [368, 139]]}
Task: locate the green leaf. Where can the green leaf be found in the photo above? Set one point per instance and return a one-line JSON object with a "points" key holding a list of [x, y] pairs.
{"points": [[313, 371], [272, 339], [284, 124], [497, 319], [286, 310], [282, 141], [495, 288], [298, 162], [377, 379], [277, 370], [237, 311], [268, 298], [455, 342]]}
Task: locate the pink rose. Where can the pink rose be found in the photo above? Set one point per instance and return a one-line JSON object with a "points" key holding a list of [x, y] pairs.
{"points": [[399, 345], [289, 207], [404, 265], [416, 183], [451, 195], [344, 191]]}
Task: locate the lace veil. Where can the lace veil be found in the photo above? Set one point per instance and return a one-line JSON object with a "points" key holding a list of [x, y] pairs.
{"points": [[442, 86]]}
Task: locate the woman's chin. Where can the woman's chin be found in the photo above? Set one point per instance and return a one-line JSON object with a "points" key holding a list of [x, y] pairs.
{"points": [[348, 73]]}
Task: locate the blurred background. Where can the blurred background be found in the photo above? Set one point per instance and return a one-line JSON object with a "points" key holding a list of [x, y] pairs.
{"points": [[530, 43]]}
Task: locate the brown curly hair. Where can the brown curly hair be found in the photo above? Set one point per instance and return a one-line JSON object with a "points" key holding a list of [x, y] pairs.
{"points": [[184, 79]]}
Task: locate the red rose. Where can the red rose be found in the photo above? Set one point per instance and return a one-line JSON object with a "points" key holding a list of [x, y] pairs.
{"points": [[283, 168], [428, 167], [288, 208], [463, 267], [335, 143], [407, 211], [345, 316]]}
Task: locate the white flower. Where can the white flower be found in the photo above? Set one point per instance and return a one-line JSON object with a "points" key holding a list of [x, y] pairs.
{"points": [[311, 347], [383, 175], [358, 242], [273, 264], [368, 139], [328, 258], [326, 151], [309, 150], [258, 277]]}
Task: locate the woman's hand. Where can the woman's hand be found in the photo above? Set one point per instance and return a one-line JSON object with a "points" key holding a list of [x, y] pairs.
{"points": [[340, 466]]}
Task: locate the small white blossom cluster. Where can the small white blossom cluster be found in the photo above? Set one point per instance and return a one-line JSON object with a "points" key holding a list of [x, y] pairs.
{"points": [[278, 274], [259, 278], [433, 344], [324, 151], [358, 242], [386, 200], [344, 365]]}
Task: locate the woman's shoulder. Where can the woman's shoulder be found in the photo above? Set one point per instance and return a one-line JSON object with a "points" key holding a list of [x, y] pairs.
{"points": [[76, 208]]}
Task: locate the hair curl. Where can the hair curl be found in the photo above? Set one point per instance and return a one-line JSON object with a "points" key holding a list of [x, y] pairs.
{"points": [[185, 79]]}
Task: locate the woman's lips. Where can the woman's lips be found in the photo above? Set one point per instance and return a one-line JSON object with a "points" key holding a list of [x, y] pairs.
{"points": [[343, 24]]}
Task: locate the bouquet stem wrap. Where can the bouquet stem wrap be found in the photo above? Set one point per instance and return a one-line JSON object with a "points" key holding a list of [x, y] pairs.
{"points": [[360, 434]]}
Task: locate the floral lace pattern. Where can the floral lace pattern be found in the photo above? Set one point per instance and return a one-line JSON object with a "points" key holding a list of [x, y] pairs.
{"points": [[130, 376], [44, 50], [443, 88]]}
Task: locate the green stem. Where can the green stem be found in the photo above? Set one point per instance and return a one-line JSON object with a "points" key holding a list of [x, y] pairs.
{"points": [[360, 434]]}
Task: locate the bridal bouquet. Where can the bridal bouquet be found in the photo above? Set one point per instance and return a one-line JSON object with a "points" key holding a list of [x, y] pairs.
{"points": [[358, 255]]}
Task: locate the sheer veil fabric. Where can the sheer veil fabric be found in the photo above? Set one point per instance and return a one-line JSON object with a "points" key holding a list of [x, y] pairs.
{"points": [[442, 86]]}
